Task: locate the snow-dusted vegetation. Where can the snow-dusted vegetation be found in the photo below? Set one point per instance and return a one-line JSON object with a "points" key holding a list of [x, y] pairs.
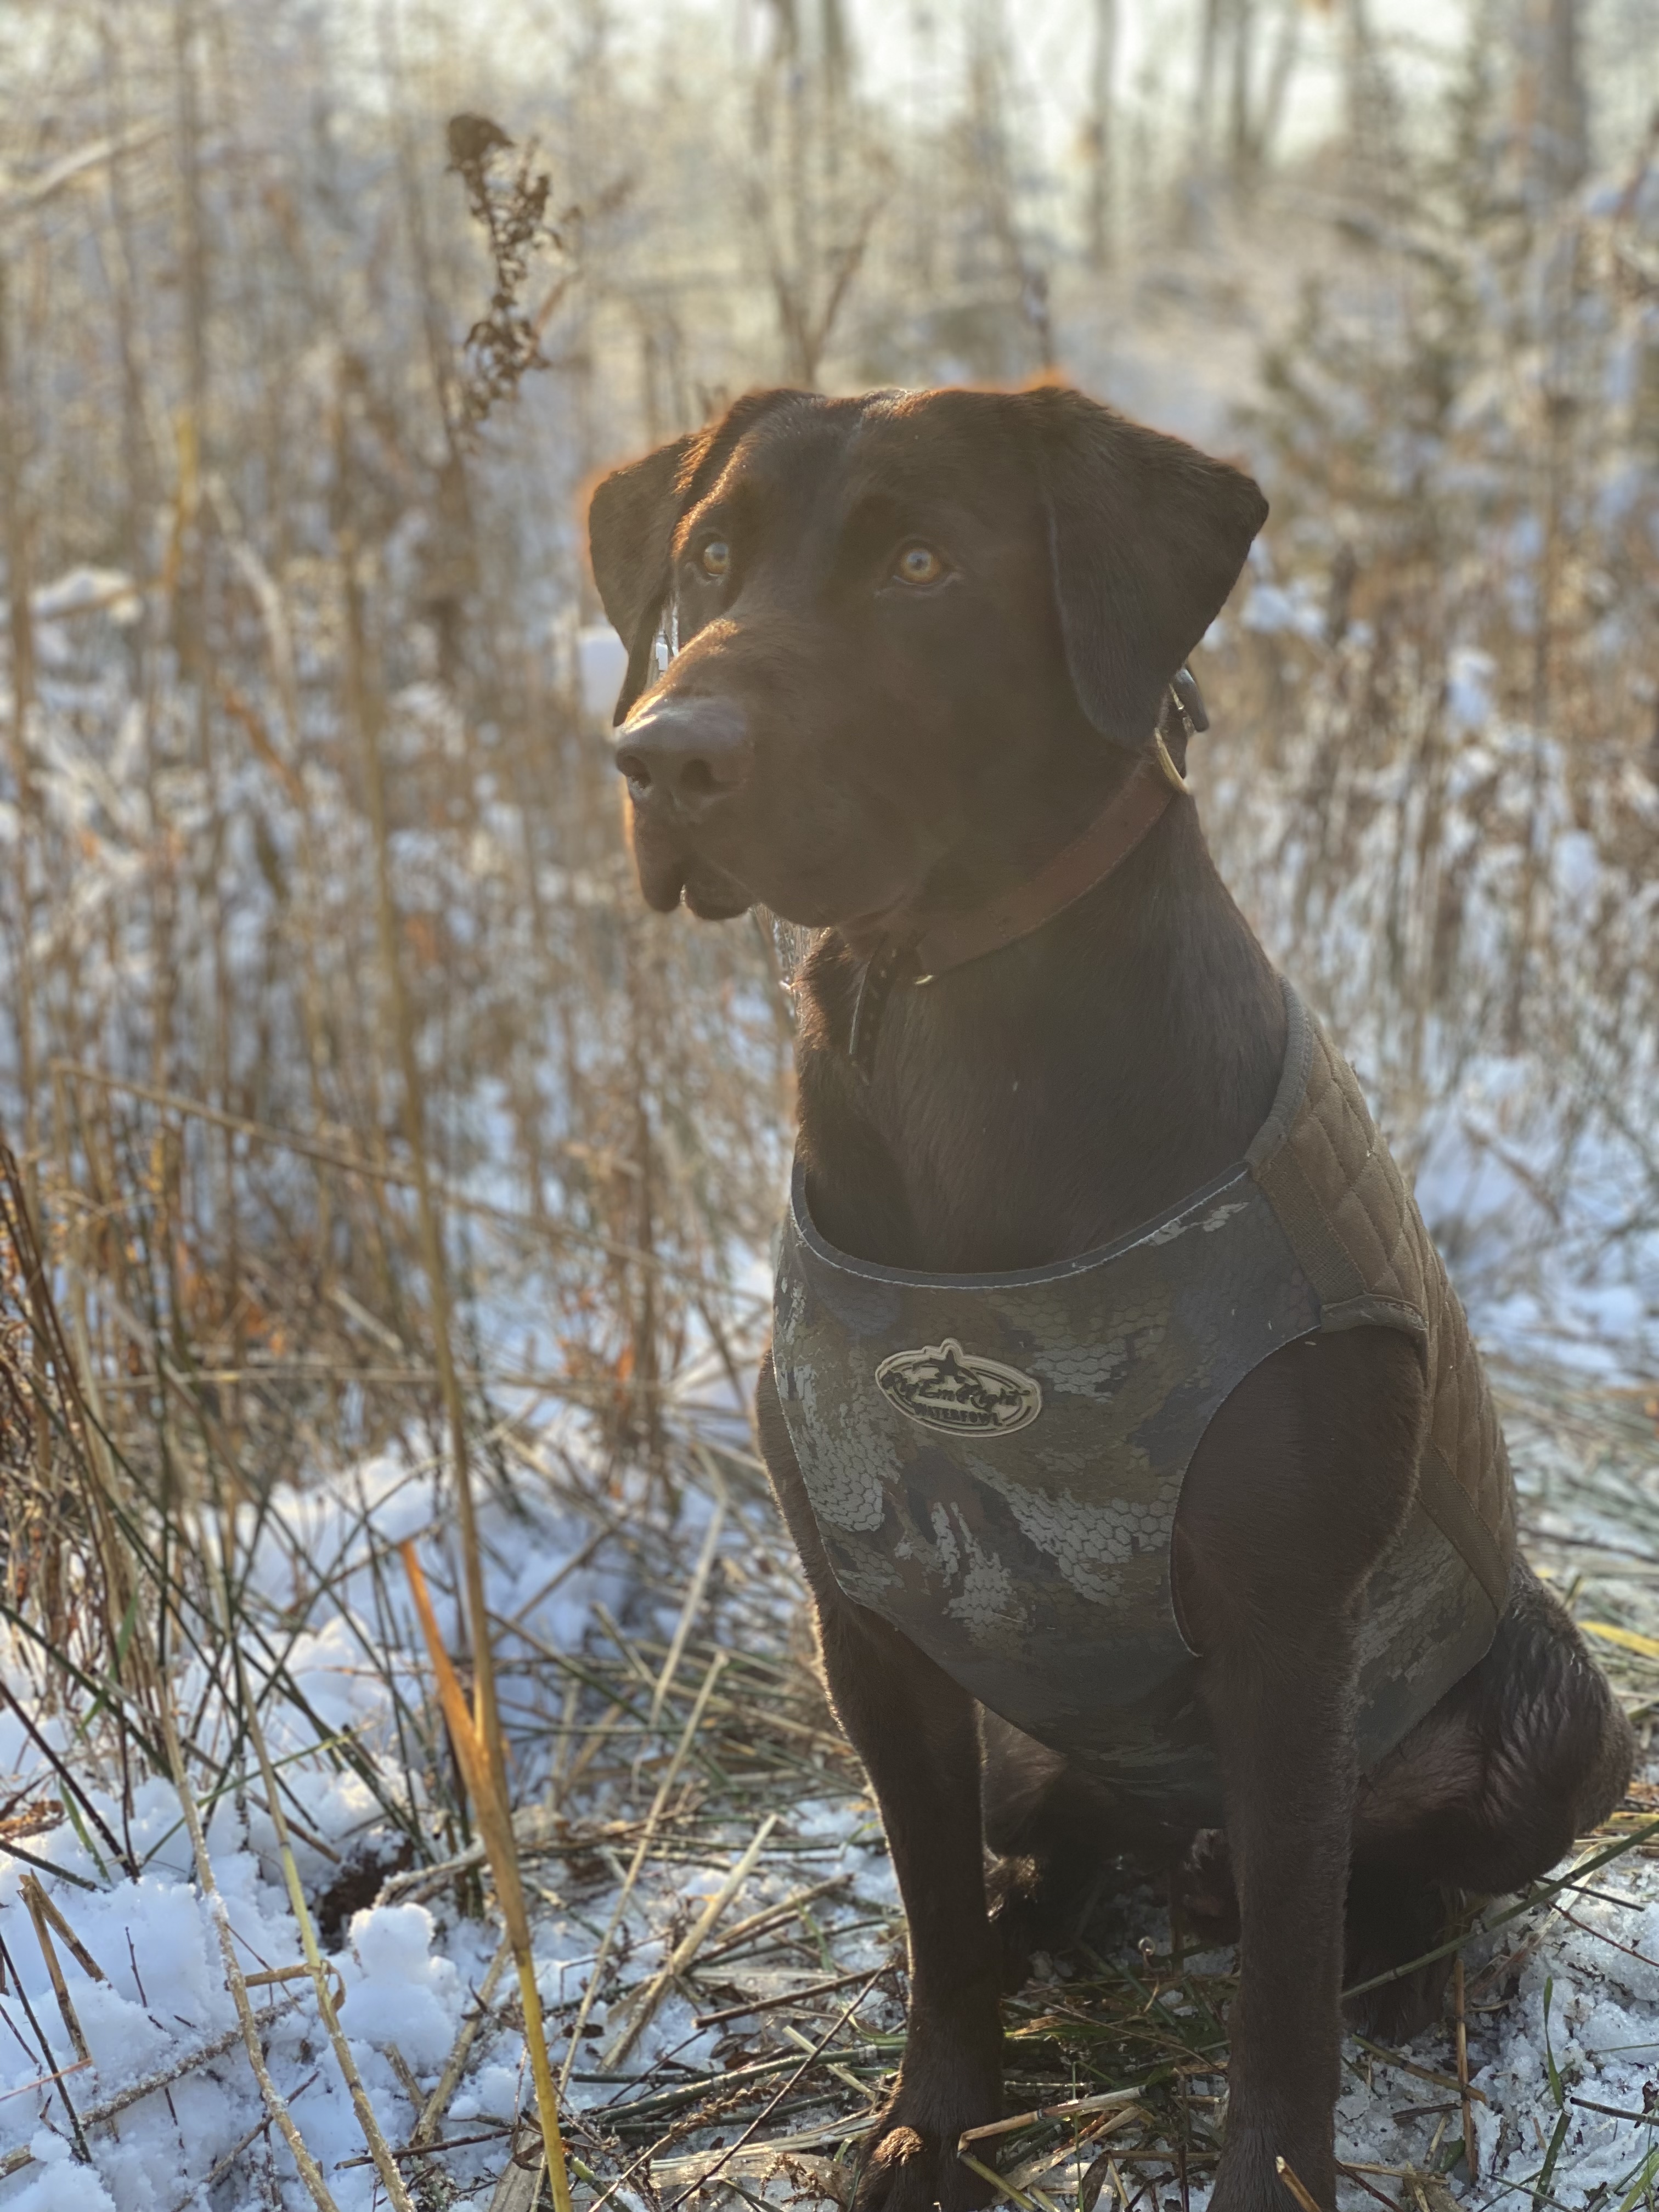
{"points": [[370, 1148]]}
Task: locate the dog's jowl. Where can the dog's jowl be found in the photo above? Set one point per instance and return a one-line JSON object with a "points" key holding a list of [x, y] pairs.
{"points": [[1142, 1468]]}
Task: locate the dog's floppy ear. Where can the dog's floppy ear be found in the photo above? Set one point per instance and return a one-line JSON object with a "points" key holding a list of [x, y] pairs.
{"points": [[1148, 536], [631, 520]]}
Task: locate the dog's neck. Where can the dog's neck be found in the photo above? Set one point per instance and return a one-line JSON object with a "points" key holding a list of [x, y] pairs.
{"points": [[1042, 1100]]}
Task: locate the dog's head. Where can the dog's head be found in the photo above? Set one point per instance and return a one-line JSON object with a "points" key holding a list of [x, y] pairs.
{"points": [[896, 619]]}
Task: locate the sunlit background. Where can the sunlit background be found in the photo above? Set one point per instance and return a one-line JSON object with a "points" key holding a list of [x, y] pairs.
{"points": [[312, 893], [1402, 259]]}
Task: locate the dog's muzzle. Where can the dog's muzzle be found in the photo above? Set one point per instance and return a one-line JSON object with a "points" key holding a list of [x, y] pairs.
{"points": [[682, 756]]}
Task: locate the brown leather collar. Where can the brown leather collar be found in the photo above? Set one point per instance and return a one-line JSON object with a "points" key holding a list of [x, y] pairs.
{"points": [[951, 940], [954, 939]]}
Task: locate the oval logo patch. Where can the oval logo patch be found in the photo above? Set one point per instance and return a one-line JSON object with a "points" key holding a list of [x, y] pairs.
{"points": [[944, 1388]]}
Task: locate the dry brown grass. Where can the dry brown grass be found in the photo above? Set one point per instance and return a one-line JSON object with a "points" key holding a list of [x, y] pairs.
{"points": [[356, 1106]]}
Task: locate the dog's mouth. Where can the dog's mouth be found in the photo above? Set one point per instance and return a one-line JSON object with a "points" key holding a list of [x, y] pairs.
{"points": [[667, 877], [712, 896], [672, 872]]}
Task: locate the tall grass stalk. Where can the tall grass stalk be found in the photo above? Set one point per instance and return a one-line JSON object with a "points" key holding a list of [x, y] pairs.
{"points": [[495, 1820]]}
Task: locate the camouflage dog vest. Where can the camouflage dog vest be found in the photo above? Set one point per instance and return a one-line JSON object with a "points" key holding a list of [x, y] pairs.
{"points": [[994, 1462]]}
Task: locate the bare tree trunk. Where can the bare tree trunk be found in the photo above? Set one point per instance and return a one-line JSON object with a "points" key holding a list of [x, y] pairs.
{"points": [[814, 207], [1195, 185], [1102, 147], [450, 589], [1552, 105], [1287, 52], [1209, 59], [1240, 133], [988, 65], [1372, 103]]}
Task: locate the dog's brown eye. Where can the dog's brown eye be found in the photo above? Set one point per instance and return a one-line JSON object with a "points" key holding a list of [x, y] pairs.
{"points": [[716, 558], [919, 564]]}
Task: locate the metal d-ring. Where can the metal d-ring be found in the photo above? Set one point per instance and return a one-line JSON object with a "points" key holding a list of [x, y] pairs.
{"points": [[1166, 761]]}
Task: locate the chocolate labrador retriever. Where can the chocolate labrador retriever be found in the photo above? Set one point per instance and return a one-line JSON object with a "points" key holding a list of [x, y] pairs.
{"points": [[1143, 1474]]}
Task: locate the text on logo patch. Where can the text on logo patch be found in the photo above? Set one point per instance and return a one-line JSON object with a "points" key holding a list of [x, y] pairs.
{"points": [[944, 1388]]}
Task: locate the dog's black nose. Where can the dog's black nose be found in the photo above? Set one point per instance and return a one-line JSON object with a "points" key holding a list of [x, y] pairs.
{"points": [[687, 754]]}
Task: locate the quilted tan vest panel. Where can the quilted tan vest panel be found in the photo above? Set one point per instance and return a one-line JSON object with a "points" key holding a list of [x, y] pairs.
{"points": [[1355, 1227]]}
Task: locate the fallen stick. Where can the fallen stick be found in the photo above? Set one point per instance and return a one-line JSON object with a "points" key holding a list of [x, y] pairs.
{"points": [[688, 1736], [807, 2065], [221, 2166], [1380, 2051], [533, 1831], [699, 1583], [1612, 2112], [758, 1924], [999, 2182], [1471, 2157], [1083, 2141], [670, 2172], [1170, 2158], [455, 2065], [34, 1898], [1370, 2187], [660, 2102], [44, 2081], [775, 2003], [112, 2107], [41, 1907], [1101, 2101], [45, 1866], [1298, 2189], [684, 1951]]}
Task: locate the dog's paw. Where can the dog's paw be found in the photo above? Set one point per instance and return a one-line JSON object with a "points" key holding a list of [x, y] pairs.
{"points": [[904, 2171], [908, 2161]]}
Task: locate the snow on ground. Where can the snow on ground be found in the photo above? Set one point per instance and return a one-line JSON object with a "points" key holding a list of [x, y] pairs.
{"points": [[1564, 1999]]}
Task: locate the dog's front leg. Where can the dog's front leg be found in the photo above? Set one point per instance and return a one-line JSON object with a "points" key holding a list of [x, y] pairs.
{"points": [[1283, 1716], [917, 1734], [1302, 1482]]}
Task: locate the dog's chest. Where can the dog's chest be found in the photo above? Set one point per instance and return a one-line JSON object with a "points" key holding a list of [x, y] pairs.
{"points": [[995, 1462]]}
